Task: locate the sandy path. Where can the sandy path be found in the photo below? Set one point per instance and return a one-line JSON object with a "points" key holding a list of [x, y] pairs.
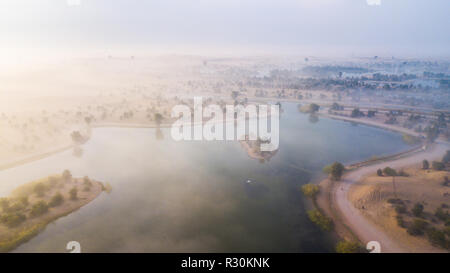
{"points": [[363, 228]]}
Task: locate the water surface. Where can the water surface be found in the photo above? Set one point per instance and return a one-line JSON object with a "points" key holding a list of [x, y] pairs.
{"points": [[194, 196]]}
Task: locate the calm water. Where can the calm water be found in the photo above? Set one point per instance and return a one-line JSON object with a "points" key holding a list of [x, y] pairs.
{"points": [[192, 196]]}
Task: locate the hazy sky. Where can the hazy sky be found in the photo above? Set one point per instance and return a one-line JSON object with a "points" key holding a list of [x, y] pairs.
{"points": [[391, 25]]}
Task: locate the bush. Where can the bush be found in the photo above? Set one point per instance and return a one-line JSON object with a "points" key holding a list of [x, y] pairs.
{"points": [[24, 201], [425, 164], [335, 170], [395, 201], [12, 219], [39, 189], [310, 190], [438, 166], [4, 204], [417, 210], [39, 208], [320, 220], [437, 237], [67, 176], [400, 209], [446, 158], [417, 227], [379, 172], [87, 182], [441, 214], [73, 193], [389, 171], [347, 247], [56, 200], [400, 221], [447, 231]]}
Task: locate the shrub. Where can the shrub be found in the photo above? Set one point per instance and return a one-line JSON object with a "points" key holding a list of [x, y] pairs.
{"points": [[67, 176], [347, 247], [395, 201], [39, 189], [87, 182], [425, 164], [327, 169], [441, 214], [437, 237], [24, 201], [400, 221], [52, 181], [310, 190], [4, 204], [73, 193], [400, 209], [402, 173], [438, 166], [389, 171], [12, 219], [16, 207], [417, 210], [39, 208], [417, 227], [446, 158], [320, 220], [447, 231], [379, 172], [56, 200]]}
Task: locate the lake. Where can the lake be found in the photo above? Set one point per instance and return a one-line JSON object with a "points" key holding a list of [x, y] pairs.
{"points": [[196, 196]]}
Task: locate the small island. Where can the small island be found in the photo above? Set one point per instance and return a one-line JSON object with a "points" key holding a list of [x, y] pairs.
{"points": [[252, 147], [32, 206]]}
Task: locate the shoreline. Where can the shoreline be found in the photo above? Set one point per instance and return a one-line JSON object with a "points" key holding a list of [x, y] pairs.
{"points": [[33, 224], [350, 224], [39, 156]]}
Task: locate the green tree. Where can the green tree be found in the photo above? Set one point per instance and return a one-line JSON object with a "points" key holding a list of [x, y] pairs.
{"points": [[24, 201], [347, 247], [320, 220], [437, 237], [39, 208], [379, 172], [438, 166], [12, 219], [67, 176], [39, 189], [158, 118], [391, 172], [417, 227], [417, 210], [446, 157], [314, 107], [425, 164], [310, 190], [56, 200], [4, 204], [73, 193], [337, 169]]}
